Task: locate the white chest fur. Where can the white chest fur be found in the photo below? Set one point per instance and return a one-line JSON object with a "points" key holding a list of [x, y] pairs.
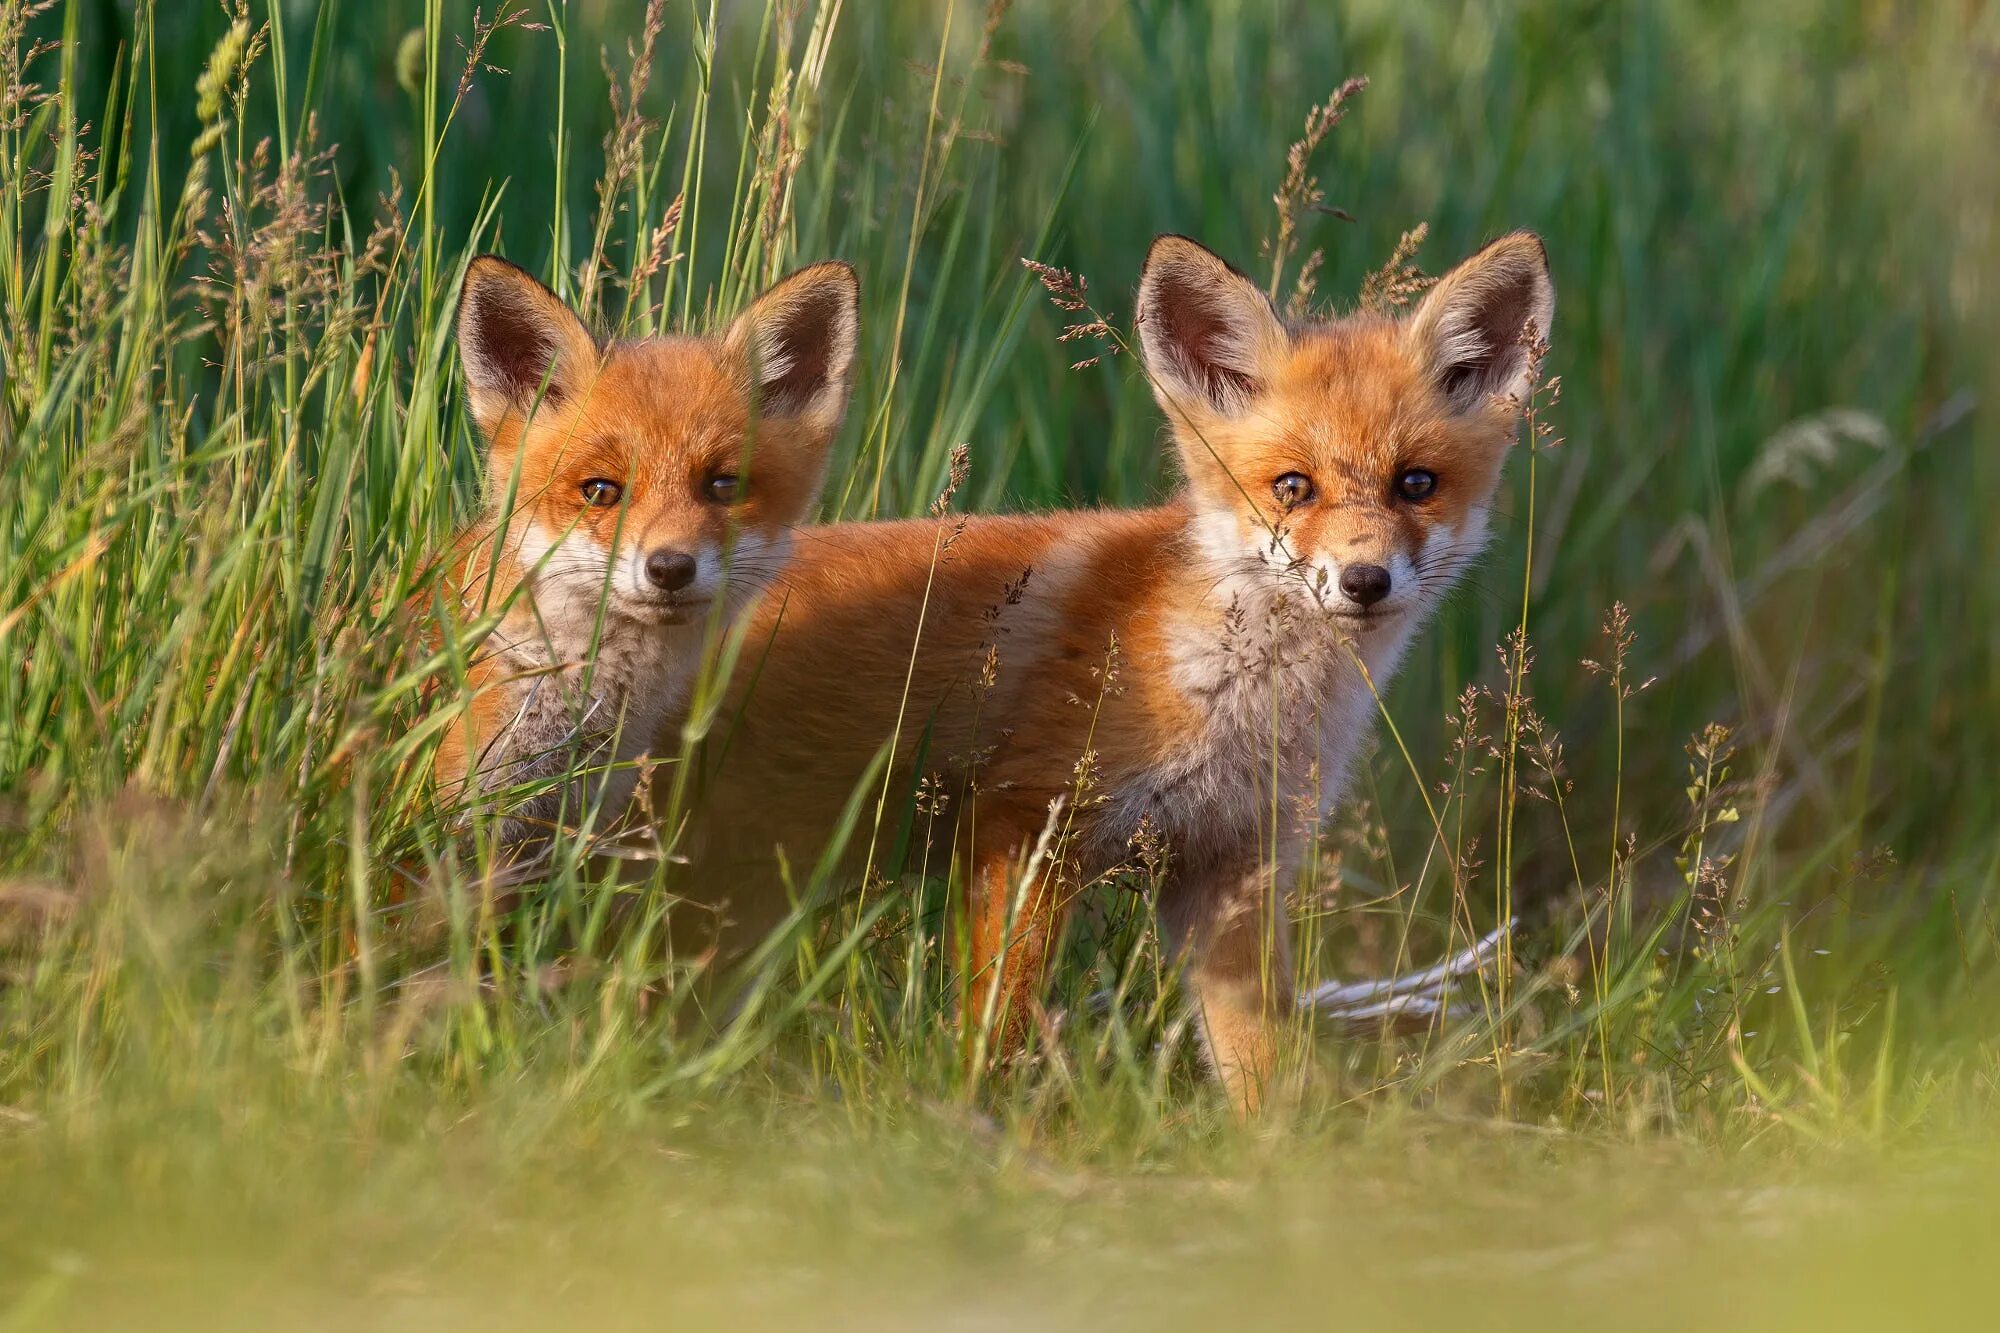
{"points": [[582, 697], [1286, 692]]}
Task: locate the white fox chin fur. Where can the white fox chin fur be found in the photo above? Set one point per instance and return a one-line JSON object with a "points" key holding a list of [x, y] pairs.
{"points": [[1275, 661], [598, 659]]}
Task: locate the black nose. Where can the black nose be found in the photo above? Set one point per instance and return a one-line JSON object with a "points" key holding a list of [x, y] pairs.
{"points": [[1366, 584], [670, 571]]}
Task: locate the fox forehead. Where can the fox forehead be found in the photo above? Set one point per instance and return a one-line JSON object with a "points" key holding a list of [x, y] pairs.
{"points": [[1352, 397], [658, 418], [1352, 406], [654, 409], [668, 391]]}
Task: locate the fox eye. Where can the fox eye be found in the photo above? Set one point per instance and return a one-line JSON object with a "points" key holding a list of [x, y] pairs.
{"points": [[1416, 484], [722, 488], [599, 493], [1294, 488]]}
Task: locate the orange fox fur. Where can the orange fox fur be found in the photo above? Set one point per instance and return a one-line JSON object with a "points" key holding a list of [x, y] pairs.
{"points": [[639, 491], [1237, 691]]}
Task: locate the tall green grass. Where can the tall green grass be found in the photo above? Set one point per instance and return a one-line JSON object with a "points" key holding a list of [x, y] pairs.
{"points": [[1749, 830]]}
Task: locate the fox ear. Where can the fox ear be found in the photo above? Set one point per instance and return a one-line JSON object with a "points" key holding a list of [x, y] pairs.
{"points": [[1469, 328], [1208, 334], [518, 343], [800, 338]]}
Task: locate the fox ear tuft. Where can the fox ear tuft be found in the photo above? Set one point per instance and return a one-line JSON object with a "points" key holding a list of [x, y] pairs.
{"points": [[800, 338], [518, 342], [1471, 327], [1209, 335]]}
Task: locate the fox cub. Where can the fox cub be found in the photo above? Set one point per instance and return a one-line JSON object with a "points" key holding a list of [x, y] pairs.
{"points": [[1200, 674], [638, 492]]}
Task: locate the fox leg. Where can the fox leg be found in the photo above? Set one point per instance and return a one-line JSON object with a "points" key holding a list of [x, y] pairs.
{"points": [[1016, 916], [1227, 928]]}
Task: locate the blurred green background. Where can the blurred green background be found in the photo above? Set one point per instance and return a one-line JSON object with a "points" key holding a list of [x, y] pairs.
{"points": [[1771, 229]]}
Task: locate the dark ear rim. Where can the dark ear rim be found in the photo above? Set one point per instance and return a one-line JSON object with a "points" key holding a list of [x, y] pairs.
{"points": [[740, 322], [835, 282], [1174, 238], [1512, 236], [1428, 319], [495, 284], [489, 261], [845, 268], [1227, 387]]}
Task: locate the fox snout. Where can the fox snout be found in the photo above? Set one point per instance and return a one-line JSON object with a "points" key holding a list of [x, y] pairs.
{"points": [[654, 572], [1366, 584], [670, 571]]}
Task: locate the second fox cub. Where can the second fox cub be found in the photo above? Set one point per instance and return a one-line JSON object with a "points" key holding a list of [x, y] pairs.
{"points": [[1338, 478], [632, 487]]}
